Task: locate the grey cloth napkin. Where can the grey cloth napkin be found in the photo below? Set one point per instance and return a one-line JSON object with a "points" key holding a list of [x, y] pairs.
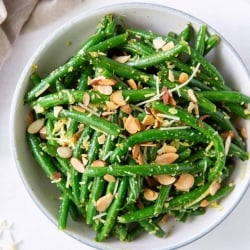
{"points": [[27, 15]]}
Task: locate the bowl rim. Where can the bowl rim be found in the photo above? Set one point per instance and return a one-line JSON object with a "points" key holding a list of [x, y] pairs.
{"points": [[48, 41]]}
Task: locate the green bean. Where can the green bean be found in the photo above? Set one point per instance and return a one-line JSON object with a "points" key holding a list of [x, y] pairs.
{"points": [[156, 134], [186, 33], [157, 58], [63, 212], [236, 151], [47, 166], [123, 70], [211, 42], [213, 72], [199, 44], [113, 211], [35, 78], [91, 120], [226, 96], [205, 129], [241, 111], [92, 155], [180, 202], [163, 195], [120, 231], [144, 170]]}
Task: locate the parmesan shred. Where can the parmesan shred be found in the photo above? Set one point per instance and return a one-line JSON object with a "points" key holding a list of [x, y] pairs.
{"points": [[227, 144], [7, 240]]}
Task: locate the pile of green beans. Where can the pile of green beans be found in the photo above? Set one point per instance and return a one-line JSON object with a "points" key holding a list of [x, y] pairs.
{"points": [[136, 126]]}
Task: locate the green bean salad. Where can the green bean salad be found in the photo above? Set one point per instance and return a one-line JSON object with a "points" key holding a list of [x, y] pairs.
{"points": [[137, 127]]}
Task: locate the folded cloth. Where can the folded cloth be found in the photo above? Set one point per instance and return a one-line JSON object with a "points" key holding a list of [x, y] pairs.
{"points": [[28, 15]]}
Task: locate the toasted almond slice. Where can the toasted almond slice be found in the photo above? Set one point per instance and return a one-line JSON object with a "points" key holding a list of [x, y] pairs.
{"points": [[64, 152], [204, 203], [111, 105], [109, 178], [148, 120], [243, 133], [168, 46], [132, 84], [132, 124], [117, 98], [42, 132], [107, 113], [215, 186], [165, 179], [104, 202], [166, 158], [166, 149], [183, 77], [100, 80], [86, 99], [79, 109], [77, 164], [98, 163], [103, 89], [126, 109], [101, 139], [35, 126], [136, 151], [150, 194], [122, 59], [184, 182]]}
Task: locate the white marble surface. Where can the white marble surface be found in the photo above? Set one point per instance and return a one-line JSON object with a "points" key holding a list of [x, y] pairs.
{"points": [[30, 227]]}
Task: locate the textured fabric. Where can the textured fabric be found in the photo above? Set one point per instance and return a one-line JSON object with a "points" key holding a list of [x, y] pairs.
{"points": [[26, 16]]}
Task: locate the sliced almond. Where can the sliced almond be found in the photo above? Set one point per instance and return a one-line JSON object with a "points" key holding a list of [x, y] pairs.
{"points": [[166, 149], [103, 89], [104, 202], [79, 109], [184, 182], [132, 124], [109, 178], [101, 139], [64, 152], [117, 98], [77, 164], [126, 109], [122, 59], [42, 132], [183, 77], [111, 105], [165, 179], [35, 126], [98, 163], [57, 110], [168, 46], [204, 203], [166, 158], [136, 151], [86, 99], [103, 81], [148, 120], [132, 84], [243, 133], [215, 186], [150, 194]]}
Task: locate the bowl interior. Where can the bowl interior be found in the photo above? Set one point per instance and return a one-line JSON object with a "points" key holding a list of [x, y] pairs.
{"points": [[54, 52]]}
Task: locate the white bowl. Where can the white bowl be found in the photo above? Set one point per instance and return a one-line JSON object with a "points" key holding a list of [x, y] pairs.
{"points": [[151, 17]]}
